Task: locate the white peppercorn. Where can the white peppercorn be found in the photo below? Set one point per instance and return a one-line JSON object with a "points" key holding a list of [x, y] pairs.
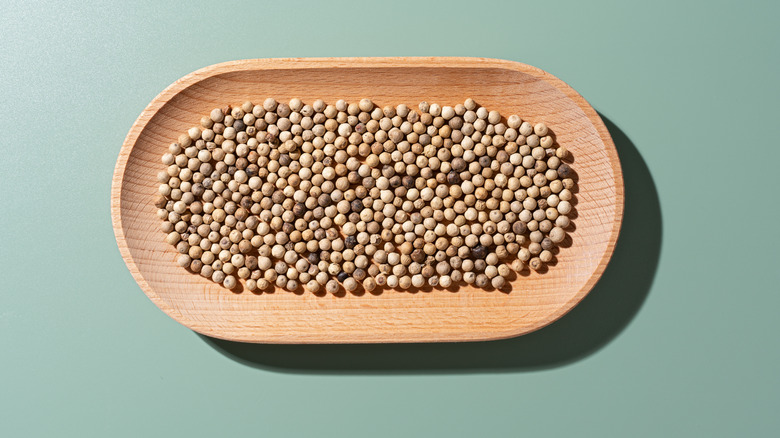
{"points": [[240, 206]]}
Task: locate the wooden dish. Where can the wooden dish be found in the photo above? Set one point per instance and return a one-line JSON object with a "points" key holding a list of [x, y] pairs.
{"points": [[468, 314]]}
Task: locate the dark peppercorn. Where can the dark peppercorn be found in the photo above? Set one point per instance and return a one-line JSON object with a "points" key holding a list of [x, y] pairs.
{"points": [[350, 242], [239, 125], [564, 171], [453, 177], [324, 200], [299, 209], [359, 274], [197, 189], [313, 258], [342, 276], [479, 252]]}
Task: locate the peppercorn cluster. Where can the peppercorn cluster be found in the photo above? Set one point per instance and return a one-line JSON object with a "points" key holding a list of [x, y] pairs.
{"points": [[356, 196]]}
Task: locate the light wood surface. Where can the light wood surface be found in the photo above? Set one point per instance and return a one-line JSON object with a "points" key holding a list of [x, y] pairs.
{"points": [[465, 314]]}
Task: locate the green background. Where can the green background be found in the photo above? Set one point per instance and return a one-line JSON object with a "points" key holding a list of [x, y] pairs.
{"points": [[680, 338]]}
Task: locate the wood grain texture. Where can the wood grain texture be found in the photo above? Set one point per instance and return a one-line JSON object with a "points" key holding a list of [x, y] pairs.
{"points": [[468, 314]]}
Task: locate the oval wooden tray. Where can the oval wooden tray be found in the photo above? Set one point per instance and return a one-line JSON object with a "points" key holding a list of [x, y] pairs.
{"points": [[467, 314]]}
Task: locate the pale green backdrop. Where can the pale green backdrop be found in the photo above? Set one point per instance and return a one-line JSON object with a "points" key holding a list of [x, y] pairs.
{"points": [[679, 339]]}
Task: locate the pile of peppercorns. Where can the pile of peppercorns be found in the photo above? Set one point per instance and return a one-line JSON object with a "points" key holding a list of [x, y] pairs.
{"points": [[355, 195]]}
